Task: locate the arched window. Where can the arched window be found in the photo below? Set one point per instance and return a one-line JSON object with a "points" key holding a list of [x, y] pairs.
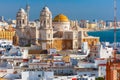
{"points": [[20, 21], [23, 21], [76, 44], [48, 21], [44, 22], [48, 35]]}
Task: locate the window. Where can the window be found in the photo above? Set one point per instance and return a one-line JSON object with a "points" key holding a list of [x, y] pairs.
{"points": [[48, 21], [23, 22], [39, 75], [95, 55], [76, 44], [107, 51], [85, 74], [40, 35], [101, 73], [92, 74], [75, 36], [48, 35], [20, 22], [65, 27], [68, 36], [44, 22]]}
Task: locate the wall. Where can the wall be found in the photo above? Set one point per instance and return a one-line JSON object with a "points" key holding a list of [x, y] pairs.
{"points": [[60, 44], [7, 35]]}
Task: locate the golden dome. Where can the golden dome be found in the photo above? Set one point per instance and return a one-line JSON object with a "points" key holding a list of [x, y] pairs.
{"points": [[61, 18]]}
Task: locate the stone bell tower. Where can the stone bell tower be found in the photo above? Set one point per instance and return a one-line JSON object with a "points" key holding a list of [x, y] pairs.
{"points": [[46, 30], [21, 18]]}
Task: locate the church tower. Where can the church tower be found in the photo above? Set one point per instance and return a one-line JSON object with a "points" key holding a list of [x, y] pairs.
{"points": [[21, 18], [46, 30], [23, 29], [21, 23]]}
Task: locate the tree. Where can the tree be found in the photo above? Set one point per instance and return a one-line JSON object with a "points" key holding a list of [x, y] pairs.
{"points": [[100, 78]]}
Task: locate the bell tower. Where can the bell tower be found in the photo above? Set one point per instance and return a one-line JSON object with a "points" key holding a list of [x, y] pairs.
{"points": [[45, 18], [21, 18], [46, 30]]}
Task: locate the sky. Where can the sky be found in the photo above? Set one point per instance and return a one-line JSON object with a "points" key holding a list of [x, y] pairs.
{"points": [[74, 9]]}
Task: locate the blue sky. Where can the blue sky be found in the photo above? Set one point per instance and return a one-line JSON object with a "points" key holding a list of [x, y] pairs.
{"points": [[74, 9]]}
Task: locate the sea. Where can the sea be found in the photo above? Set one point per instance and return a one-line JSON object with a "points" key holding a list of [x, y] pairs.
{"points": [[106, 35]]}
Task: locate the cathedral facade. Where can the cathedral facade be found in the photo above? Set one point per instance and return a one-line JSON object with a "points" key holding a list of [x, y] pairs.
{"points": [[59, 33]]}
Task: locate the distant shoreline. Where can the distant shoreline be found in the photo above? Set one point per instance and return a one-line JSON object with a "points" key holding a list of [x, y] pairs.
{"points": [[106, 29], [106, 35]]}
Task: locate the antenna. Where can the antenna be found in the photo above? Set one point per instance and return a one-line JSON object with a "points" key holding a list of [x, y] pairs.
{"points": [[115, 20]]}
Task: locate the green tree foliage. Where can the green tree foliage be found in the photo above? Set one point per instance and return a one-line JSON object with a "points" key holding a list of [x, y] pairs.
{"points": [[100, 78]]}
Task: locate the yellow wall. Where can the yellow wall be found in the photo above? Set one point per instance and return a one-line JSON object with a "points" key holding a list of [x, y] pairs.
{"points": [[57, 44], [91, 41], [7, 35], [92, 25], [67, 44], [2, 79], [61, 44]]}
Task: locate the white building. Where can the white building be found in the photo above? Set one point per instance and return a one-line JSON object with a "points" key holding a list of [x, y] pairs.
{"points": [[65, 77], [105, 51], [5, 43], [33, 74], [3, 24], [102, 70], [86, 78], [82, 53], [87, 72], [84, 47]]}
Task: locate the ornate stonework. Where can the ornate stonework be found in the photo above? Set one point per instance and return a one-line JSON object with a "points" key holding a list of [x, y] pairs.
{"points": [[58, 33]]}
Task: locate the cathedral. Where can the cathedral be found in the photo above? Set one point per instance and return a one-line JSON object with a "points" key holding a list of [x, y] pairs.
{"points": [[58, 32]]}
